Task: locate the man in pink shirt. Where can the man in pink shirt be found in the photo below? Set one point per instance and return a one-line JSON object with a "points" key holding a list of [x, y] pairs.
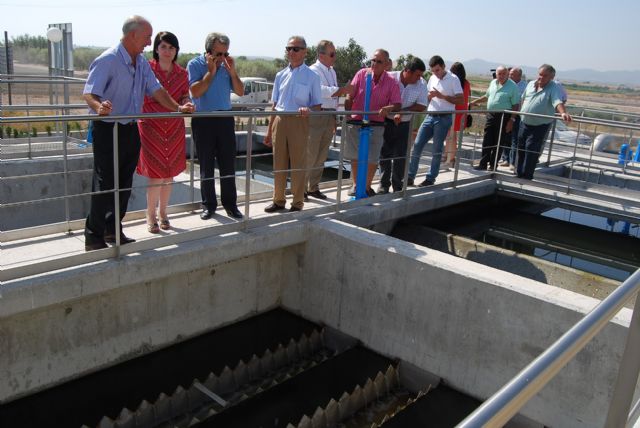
{"points": [[385, 98]]}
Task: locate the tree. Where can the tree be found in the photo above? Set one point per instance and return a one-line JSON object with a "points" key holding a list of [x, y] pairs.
{"points": [[349, 60]]}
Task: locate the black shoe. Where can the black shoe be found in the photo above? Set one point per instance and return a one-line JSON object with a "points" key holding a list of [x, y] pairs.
{"points": [[480, 168], [371, 192], [317, 194], [306, 197], [234, 212], [294, 209], [383, 190], [410, 181], [111, 238], [95, 244], [206, 213], [426, 183], [273, 208]]}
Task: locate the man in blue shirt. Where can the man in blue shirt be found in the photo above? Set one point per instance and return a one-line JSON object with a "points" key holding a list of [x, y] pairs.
{"points": [[295, 89], [542, 96], [212, 76], [117, 83], [502, 94]]}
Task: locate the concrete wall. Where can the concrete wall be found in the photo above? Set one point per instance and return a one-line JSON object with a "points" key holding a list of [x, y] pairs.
{"points": [[64, 325], [473, 325]]}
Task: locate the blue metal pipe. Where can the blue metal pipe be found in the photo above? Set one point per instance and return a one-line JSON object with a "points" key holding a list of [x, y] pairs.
{"points": [[363, 147]]}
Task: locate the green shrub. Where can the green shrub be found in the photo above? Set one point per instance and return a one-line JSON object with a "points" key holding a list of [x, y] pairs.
{"points": [[48, 129], [1, 132], [9, 131], [34, 132], [16, 134]]}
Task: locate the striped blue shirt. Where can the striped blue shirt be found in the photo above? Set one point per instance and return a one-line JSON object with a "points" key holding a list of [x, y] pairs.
{"points": [[296, 87], [113, 77]]}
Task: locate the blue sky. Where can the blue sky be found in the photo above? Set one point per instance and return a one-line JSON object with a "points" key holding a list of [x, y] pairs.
{"points": [[603, 35]]}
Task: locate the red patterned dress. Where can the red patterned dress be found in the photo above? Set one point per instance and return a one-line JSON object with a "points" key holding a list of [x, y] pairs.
{"points": [[162, 152]]}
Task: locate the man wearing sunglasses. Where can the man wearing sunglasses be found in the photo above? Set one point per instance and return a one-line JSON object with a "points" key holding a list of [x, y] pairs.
{"points": [[212, 76], [385, 98], [322, 128], [295, 89]]}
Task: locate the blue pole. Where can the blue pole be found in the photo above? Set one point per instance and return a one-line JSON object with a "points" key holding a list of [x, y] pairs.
{"points": [[363, 147]]}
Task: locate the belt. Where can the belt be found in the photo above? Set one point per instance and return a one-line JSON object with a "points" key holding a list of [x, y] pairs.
{"points": [[329, 109]]}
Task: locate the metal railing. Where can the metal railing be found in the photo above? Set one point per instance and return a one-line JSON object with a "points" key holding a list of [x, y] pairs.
{"points": [[507, 402], [250, 116]]}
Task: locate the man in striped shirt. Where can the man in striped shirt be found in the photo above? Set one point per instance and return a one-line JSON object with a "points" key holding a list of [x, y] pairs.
{"points": [[385, 98], [413, 91]]}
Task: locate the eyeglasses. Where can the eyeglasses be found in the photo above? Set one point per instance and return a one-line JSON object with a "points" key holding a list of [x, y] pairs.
{"points": [[219, 54], [377, 61], [294, 48]]}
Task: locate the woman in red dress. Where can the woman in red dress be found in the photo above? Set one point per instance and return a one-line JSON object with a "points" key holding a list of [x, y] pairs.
{"points": [[162, 154], [458, 126]]}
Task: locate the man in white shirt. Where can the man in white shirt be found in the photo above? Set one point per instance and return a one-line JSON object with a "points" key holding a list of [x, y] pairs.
{"points": [[445, 92], [413, 91], [321, 128]]}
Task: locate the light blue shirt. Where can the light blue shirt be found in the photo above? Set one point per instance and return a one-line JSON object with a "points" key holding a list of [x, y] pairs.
{"points": [[540, 102], [113, 77], [502, 97], [296, 87], [218, 94]]}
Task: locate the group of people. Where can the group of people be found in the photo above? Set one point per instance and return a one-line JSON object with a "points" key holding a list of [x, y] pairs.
{"points": [[122, 82]]}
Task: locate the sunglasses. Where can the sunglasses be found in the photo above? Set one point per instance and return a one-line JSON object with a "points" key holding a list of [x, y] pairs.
{"points": [[294, 48], [219, 54]]}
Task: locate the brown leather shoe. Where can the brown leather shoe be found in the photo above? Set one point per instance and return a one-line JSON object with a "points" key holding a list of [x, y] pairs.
{"points": [[273, 208], [293, 209]]}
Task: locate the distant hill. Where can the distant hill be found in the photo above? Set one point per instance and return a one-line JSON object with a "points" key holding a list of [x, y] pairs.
{"points": [[629, 78]]}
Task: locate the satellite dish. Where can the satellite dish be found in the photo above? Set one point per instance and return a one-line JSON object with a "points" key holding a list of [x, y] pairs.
{"points": [[54, 34]]}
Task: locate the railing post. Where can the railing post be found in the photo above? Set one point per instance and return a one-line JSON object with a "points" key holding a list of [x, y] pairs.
{"points": [[494, 167], [26, 101], [573, 159], [343, 133], [627, 374], [407, 157], [247, 173], [65, 160], [192, 166], [553, 134], [456, 165], [116, 187]]}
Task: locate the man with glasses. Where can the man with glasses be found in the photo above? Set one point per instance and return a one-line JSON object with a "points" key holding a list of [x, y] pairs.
{"points": [[542, 96], [212, 77], [295, 89], [445, 92], [117, 83], [322, 128], [413, 91], [385, 98]]}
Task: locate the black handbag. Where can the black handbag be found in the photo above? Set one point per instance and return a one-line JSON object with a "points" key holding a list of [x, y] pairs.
{"points": [[469, 120]]}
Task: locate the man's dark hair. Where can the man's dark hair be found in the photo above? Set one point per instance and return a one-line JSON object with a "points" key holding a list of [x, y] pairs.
{"points": [[415, 64], [436, 60], [167, 37]]}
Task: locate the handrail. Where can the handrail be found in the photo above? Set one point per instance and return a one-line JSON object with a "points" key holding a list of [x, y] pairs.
{"points": [[504, 404]]}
